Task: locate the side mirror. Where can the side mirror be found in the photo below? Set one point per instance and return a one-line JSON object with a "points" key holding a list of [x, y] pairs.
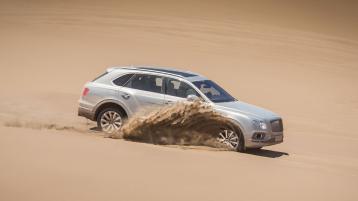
{"points": [[192, 98]]}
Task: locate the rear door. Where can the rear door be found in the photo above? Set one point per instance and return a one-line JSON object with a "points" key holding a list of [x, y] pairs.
{"points": [[143, 91]]}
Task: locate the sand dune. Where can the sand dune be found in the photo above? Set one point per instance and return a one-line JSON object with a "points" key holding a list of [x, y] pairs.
{"points": [[297, 59]]}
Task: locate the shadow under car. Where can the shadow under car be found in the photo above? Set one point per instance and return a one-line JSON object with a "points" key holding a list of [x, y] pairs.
{"points": [[266, 153]]}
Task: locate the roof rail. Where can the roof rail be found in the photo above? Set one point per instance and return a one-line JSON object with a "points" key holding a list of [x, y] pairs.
{"points": [[166, 71]]}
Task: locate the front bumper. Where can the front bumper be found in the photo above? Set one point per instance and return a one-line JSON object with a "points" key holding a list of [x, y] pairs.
{"points": [[271, 138]]}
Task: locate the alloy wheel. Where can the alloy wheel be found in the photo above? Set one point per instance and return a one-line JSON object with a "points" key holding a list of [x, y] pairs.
{"points": [[111, 121], [229, 138]]}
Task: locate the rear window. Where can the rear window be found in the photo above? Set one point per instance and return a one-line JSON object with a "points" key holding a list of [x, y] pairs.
{"points": [[122, 80], [103, 74]]}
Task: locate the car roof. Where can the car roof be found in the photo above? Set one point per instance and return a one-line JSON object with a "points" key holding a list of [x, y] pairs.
{"points": [[164, 70]]}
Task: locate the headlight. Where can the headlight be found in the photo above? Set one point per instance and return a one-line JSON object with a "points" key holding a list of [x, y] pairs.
{"points": [[263, 125], [259, 124]]}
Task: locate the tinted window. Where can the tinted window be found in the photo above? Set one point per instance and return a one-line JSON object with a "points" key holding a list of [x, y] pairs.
{"points": [[122, 79], [180, 89], [213, 91], [151, 83]]}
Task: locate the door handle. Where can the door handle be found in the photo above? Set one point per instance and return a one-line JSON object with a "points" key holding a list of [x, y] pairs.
{"points": [[126, 96], [168, 102]]}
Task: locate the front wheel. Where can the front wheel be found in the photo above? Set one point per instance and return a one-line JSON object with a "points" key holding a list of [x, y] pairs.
{"points": [[232, 139], [110, 120]]}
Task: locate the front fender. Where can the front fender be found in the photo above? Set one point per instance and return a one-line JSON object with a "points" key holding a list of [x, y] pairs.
{"points": [[241, 120]]}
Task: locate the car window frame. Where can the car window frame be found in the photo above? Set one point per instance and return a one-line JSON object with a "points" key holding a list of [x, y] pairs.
{"points": [[152, 74], [166, 79], [121, 75]]}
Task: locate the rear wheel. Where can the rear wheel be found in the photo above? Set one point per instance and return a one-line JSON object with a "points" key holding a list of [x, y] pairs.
{"points": [[232, 139], [110, 120]]}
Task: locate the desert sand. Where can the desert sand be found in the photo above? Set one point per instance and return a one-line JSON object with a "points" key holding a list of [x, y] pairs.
{"points": [[298, 59]]}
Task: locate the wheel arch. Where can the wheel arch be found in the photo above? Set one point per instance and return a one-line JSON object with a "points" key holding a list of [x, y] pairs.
{"points": [[240, 128], [108, 104], [238, 125]]}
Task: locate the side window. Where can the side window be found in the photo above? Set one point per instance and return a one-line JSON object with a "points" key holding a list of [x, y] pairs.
{"points": [[122, 79], [180, 89], [144, 82]]}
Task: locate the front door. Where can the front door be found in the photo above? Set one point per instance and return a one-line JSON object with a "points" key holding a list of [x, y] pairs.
{"points": [[177, 90]]}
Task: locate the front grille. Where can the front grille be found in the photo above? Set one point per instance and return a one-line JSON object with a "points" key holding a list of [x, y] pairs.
{"points": [[276, 125]]}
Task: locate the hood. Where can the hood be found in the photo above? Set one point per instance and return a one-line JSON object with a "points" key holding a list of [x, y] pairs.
{"points": [[246, 109]]}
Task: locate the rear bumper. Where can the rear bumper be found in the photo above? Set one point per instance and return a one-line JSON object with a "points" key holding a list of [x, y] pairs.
{"points": [[84, 112]]}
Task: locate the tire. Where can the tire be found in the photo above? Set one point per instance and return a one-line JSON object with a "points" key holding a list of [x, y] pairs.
{"points": [[110, 120], [232, 138], [241, 148]]}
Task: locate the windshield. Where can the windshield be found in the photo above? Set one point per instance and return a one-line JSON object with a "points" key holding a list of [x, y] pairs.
{"points": [[213, 91]]}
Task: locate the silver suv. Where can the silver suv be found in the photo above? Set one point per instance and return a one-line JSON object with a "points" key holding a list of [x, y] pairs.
{"points": [[122, 91]]}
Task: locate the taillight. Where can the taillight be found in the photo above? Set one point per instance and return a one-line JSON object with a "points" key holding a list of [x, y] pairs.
{"points": [[85, 91]]}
